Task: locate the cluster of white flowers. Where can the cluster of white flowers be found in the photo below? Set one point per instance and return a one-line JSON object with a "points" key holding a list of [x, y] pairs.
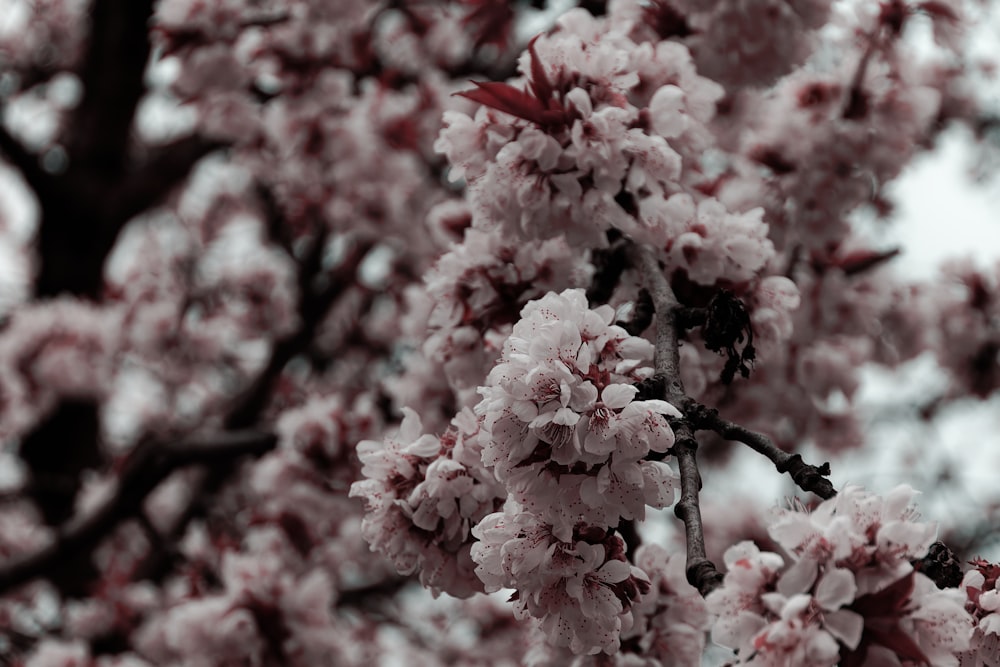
{"points": [[581, 588], [423, 494], [566, 436], [607, 134], [849, 592]]}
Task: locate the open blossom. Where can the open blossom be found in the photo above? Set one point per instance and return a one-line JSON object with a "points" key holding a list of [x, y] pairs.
{"points": [[848, 594], [596, 123], [983, 602], [423, 494], [565, 434], [714, 243], [581, 589], [478, 288], [672, 619], [875, 536]]}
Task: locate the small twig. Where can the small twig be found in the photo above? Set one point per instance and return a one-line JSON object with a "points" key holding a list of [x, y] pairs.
{"points": [[807, 477], [701, 572], [610, 263], [362, 595], [627, 530]]}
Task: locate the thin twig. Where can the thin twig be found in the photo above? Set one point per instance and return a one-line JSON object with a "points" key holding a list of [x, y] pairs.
{"points": [[807, 477], [701, 572]]}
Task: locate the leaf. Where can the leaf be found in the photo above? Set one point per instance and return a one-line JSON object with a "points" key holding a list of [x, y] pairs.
{"points": [[938, 10], [506, 98]]}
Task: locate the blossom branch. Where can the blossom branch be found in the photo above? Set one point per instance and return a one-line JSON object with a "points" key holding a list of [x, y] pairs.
{"points": [[151, 463], [314, 304], [313, 307], [701, 572], [807, 477], [144, 469], [165, 168]]}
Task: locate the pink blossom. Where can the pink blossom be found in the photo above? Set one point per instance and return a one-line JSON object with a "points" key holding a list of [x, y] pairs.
{"points": [[565, 435], [423, 494], [581, 589], [671, 621], [847, 591]]}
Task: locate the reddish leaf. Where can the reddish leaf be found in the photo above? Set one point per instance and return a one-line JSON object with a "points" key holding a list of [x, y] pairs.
{"points": [[887, 602], [540, 84], [506, 98], [938, 10], [894, 639], [493, 21], [860, 261], [882, 612]]}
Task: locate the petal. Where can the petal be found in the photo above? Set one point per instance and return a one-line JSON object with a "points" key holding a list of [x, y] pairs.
{"points": [[836, 589], [614, 571], [846, 626], [617, 396]]}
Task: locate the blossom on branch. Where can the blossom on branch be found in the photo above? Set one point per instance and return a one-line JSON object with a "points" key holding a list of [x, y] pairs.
{"points": [[563, 431], [846, 593]]}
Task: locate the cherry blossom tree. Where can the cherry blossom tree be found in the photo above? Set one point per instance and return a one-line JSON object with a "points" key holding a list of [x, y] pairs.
{"points": [[363, 332]]}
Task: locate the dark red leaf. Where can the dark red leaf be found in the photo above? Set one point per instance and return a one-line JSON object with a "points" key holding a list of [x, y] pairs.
{"points": [[887, 602], [894, 639], [493, 21], [540, 84], [938, 10], [864, 260], [506, 98]]}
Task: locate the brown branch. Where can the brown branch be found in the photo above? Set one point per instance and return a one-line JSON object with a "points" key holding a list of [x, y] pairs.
{"points": [[313, 307], [314, 304], [144, 469], [112, 75], [84, 208], [151, 181], [363, 595], [701, 572], [807, 477]]}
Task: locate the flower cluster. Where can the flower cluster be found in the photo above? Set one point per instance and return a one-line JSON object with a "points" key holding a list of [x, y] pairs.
{"points": [[423, 494], [983, 602], [848, 594], [672, 619], [581, 588], [606, 134], [565, 435], [478, 288]]}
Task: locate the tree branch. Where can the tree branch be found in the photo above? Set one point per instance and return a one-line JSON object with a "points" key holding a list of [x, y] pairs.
{"points": [[144, 469], [148, 183], [807, 477], [315, 303], [112, 76], [701, 572], [667, 362]]}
